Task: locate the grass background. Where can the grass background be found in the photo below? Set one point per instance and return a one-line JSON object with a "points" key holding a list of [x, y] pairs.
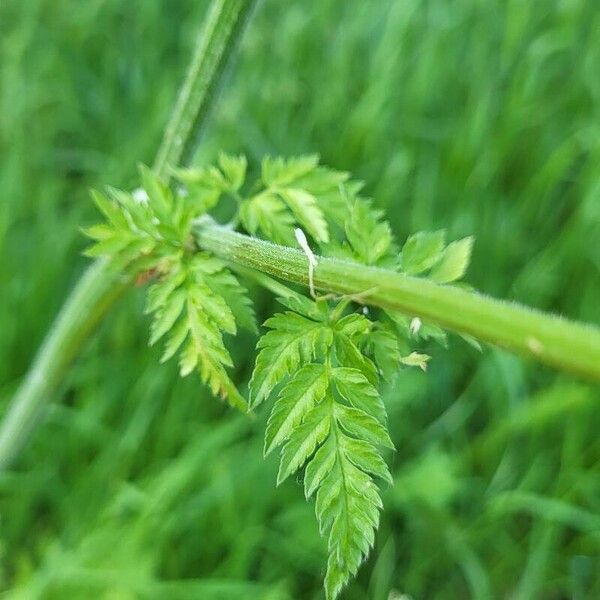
{"points": [[482, 117]]}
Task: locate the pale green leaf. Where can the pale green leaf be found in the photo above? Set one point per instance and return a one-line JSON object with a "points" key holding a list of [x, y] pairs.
{"points": [[283, 172], [317, 311], [454, 262], [99, 232], [225, 285], [176, 338], [354, 326], [213, 305], [348, 505], [335, 578], [331, 189], [109, 246], [348, 355], [160, 198], [188, 358], [422, 251], [383, 346], [110, 209], [206, 335], [328, 493], [207, 178], [206, 264], [139, 217], [416, 359], [234, 169], [158, 293], [267, 214], [204, 186]]}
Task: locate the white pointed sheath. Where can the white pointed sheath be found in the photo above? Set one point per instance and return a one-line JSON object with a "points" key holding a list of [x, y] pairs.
{"points": [[312, 259], [140, 195], [415, 325]]}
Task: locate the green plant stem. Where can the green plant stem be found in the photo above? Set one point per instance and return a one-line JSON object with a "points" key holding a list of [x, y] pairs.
{"points": [[103, 283], [217, 41], [94, 294], [547, 338]]}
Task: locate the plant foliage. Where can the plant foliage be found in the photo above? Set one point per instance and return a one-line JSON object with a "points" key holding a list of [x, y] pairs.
{"points": [[329, 418], [323, 359], [194, 299]]}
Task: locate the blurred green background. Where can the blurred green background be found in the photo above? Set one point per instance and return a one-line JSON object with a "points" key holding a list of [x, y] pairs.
{"points": [[480, 116]]}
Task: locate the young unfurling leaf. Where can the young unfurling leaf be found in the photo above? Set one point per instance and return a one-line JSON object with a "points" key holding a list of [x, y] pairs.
{"points": [[425, 253], [234, 170], [282, 172], [369, 236], [295, 192], [267, 214], [454, 262], [422, 251], [416, 359], [205, 186]]}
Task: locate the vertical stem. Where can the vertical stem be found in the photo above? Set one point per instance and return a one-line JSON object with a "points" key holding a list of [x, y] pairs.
{"points": [[217, 40], [103, 282]]}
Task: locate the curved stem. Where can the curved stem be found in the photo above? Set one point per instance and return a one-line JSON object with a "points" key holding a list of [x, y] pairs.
{"points": [[97, 290], [103, 283], [547, 338]]}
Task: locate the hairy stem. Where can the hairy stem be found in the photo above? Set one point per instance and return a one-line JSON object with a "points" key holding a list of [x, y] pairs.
{"points": [[549, 339], [102, 284], [218, 39]]}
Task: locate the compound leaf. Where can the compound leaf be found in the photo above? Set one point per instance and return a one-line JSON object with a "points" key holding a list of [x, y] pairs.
{"points": [[355, 388], [303, 441], [295, 400], [363, 425], [293, 340]]}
